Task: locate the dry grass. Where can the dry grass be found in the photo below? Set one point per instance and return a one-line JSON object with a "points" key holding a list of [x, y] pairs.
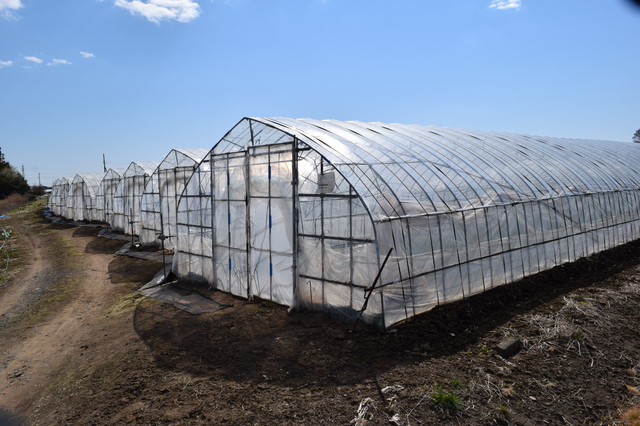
{"points": [[12, 202], [632, 417]]}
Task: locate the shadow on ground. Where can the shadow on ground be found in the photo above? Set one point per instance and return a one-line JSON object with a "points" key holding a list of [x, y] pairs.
{"points": [[124, 269], [103, 246], [259, 341]]}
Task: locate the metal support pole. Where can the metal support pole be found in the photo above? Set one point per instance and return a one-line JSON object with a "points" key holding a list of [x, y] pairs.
{"points": [[369, 290], [163, 237]]}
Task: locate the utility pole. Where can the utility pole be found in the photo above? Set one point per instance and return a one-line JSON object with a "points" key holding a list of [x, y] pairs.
{"points": [[23, 171], [104, 163]]}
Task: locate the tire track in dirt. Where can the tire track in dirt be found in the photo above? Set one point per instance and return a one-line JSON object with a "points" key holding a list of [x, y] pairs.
{"points": [[37, 359], [12, 296]]}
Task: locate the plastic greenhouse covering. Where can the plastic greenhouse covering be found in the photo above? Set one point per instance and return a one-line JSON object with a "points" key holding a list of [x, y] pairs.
{"points": [[59, 193], [81, 198], [159, 202], [305, 212], [106, 192], [126, 199]]}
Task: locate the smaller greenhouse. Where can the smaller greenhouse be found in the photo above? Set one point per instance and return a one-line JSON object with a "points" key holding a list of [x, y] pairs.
{"points": [[104, 195], [59, 193], [81, 199], [159, 203], [311, 214], [126, 199]]}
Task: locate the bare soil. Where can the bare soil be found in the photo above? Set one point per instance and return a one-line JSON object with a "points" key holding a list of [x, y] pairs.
{"points": [[78, 345]]}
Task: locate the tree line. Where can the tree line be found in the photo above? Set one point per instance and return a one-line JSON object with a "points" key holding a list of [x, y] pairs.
{"points": [[11, 181]]}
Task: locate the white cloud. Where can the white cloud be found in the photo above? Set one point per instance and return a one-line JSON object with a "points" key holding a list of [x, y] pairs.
{"points": [[161, 10], [10, 4], [505, 4], [33, 59], [6, 6], [87, 55], [59, 62], [4, 64]]}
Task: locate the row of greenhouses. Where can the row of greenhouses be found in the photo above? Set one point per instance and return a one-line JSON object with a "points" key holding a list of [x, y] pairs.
{"points": [[368, 220], [139, 200]]}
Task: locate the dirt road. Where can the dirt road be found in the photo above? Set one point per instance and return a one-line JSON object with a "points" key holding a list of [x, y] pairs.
{"points": [[54, 310], [80, 346]]}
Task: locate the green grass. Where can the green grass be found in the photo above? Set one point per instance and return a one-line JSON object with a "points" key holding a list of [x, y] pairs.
{"points": [[456, 383], [448, 402], [580, 298], [577, 335], [504, 411]]}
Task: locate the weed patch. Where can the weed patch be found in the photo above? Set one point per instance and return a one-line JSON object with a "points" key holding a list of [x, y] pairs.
{"points": [[448, 402], [125, 304]]}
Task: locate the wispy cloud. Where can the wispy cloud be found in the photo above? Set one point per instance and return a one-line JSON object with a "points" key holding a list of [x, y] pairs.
{"points": [[87, 55], [33, 59], [59, 62], [8, 6], [4, 64], [162, 10], [505, 4]]}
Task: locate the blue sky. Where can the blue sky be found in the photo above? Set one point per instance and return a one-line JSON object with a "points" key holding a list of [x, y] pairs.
{"points": [[134, 79]]}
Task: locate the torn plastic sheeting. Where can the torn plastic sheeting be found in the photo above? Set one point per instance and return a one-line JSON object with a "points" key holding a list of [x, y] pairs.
{"points": [[144, 255], [193, 303]]}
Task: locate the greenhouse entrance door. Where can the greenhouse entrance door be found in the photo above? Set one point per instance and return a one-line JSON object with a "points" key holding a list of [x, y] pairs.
{"points": [[271, 225]]}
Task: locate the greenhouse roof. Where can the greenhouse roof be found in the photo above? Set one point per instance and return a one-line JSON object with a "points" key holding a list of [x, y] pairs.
{"points": [[183, 157], [137, 168], [405, 170], [114, 173], [63, 180], [91, 179]]}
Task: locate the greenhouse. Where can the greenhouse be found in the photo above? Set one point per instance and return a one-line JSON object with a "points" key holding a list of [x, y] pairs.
{"points": [[312, 214], [106, 192], [81, 199], [126, 199], [59, 193], [159, 203]]}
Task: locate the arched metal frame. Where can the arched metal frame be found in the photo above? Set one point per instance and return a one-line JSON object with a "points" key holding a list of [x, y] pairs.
{"points": [[106, 192], [125, 216], [81, 198], [59, 194], [463, 211], [159, 202]]}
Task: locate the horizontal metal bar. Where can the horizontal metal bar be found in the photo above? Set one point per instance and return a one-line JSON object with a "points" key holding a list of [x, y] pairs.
{"points": [[328, 195], [326, 237]]}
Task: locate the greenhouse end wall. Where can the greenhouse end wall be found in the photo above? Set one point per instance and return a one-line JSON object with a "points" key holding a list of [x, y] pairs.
{"points": [[159, 203], [304, 212], [81, 198], [59, 194], [105, 194], [125, 216]]}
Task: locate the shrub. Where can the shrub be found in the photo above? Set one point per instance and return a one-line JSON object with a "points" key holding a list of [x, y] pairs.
{"points": [[11, 202]]}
